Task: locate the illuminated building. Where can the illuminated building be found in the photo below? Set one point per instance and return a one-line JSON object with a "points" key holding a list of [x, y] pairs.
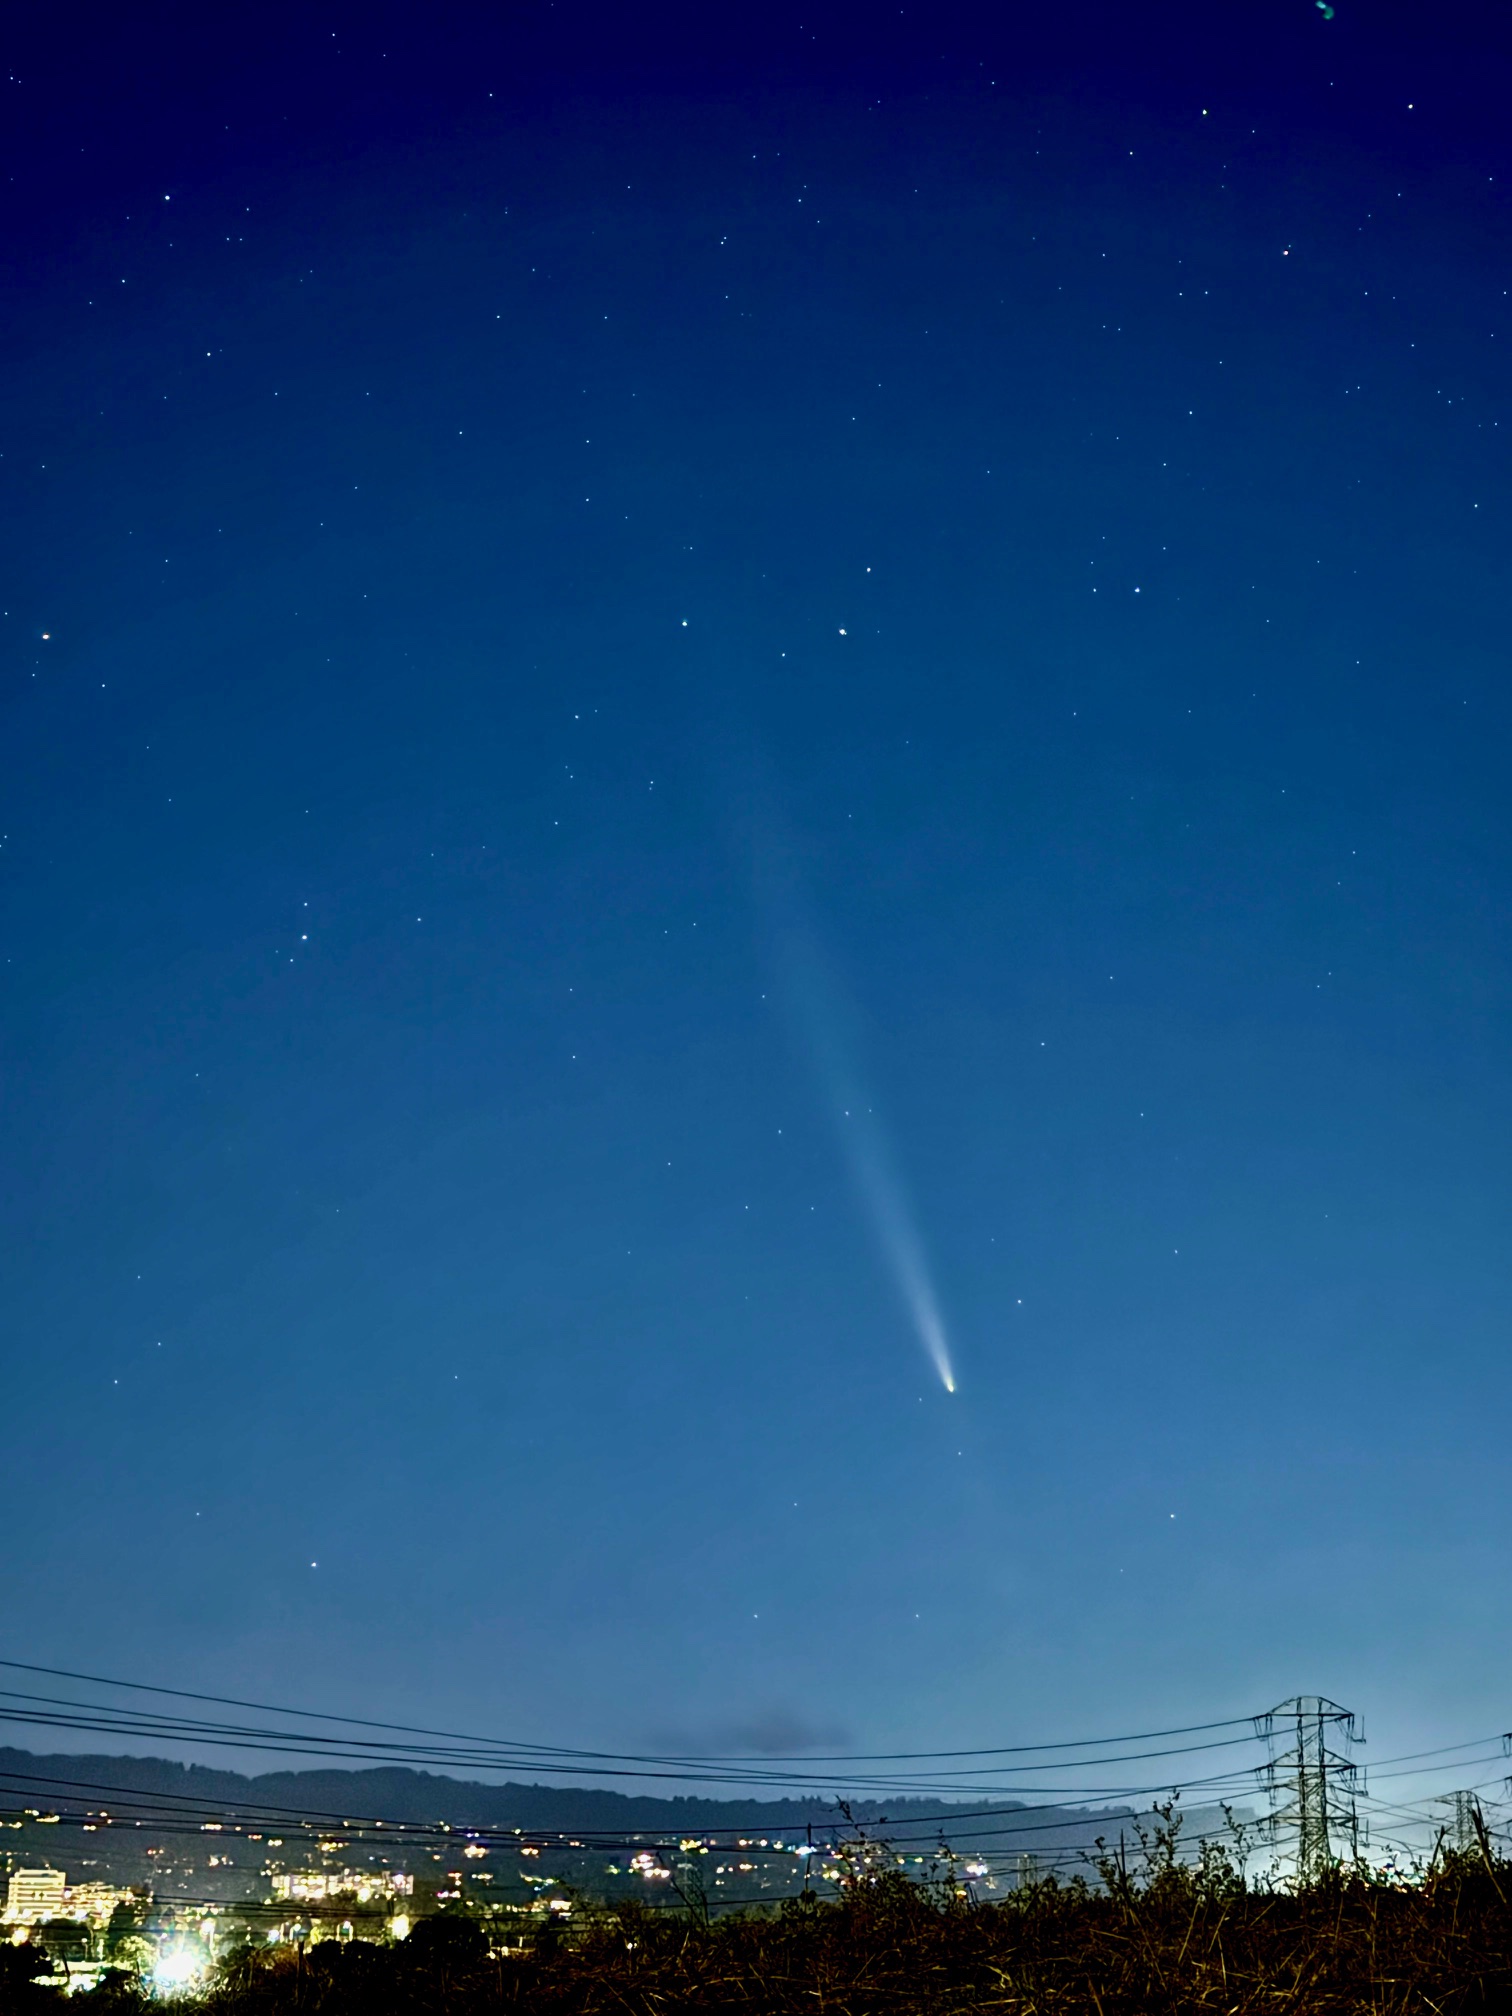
{"points": [[314, 1886], [96, 1901], [33, 1894]]}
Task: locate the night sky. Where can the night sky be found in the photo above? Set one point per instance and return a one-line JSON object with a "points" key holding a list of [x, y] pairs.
{"points": [[701, 713]]}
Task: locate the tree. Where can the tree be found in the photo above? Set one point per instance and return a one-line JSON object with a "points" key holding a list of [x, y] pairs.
{"points": [[134, 1952], [23, 1969], [64, 1938], [451, 1942], [124, 1923]]}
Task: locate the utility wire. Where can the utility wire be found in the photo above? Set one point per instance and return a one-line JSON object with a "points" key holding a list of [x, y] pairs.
{"points": [[548, 1749]]}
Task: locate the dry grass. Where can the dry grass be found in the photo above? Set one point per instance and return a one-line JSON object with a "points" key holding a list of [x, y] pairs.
{"points": [[1172, 1939], [1168, 1936]]}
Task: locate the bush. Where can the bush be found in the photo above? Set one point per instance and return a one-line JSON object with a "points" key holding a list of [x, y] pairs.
{"points": [[22, 1969], [1151, 1935]]}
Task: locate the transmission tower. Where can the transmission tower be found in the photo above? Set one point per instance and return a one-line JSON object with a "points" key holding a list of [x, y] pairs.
{"points": [[1312, 1781], [1460, 1828]]}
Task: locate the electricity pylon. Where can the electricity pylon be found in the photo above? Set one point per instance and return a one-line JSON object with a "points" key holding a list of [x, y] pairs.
{"points": [[1461, 1821], [1312, 1781]]}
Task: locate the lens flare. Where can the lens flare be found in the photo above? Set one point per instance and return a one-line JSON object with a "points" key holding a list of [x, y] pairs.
{"points": [[178, 1968]]}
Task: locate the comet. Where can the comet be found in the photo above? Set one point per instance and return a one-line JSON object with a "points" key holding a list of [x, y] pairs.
{"points": [[824, 1021], [898, 1239]]}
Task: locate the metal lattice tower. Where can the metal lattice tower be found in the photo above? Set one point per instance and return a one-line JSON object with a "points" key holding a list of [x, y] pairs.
{"points": [[1461, 1820], [1312, 1782]]}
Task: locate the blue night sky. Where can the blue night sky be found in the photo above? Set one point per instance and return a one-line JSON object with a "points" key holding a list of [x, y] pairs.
{"points": [[679, 699]]}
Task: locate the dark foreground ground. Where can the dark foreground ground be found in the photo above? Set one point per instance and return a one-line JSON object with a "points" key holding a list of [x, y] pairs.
{"points": [[1180, 1940]]}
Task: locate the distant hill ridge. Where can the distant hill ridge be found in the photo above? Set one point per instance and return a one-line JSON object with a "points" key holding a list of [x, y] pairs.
{"points": [[391, 1792]]}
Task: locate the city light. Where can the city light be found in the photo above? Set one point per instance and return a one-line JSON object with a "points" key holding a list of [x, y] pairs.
{"points": [[177, 1968]]}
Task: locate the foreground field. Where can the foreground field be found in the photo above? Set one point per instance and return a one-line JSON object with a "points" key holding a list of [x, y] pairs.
{"points": [[1177, 1940]]}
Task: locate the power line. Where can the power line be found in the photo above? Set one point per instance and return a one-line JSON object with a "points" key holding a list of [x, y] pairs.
{"points": [[547, 1749], [129, 1802], [805, 1780], [90, 1719]]}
